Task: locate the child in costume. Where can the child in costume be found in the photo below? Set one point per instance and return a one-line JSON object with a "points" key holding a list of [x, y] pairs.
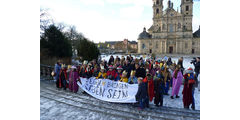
{"points": [[124, 77], [73, 78], [132, 79], [177, 81], [102, 74], [119, 73], [188, 90]]}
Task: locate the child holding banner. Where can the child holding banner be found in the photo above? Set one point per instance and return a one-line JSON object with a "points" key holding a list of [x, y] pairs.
{"points": [[124, 77], [132, 79], [102, 74]]}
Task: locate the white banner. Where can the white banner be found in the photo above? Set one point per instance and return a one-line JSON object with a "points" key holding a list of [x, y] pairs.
{"points": [[108, 90]]}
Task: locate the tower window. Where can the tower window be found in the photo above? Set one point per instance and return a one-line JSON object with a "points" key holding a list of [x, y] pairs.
{"points": [[143, 46], [186, 45], [157, 11], [187, 8], [156, 44], [157, 2], [179, 25], [163, 27], [171, 28]]}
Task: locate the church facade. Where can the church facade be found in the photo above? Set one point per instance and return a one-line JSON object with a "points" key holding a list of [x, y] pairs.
{"points": [[171, 31]]}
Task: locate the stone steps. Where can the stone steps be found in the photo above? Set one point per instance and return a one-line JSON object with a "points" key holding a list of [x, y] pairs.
{"points": [[49, 91]]}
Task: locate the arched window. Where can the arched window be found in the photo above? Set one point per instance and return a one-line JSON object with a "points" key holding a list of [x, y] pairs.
{"points": [[157, 2], [143, 46], [157, 11], [163, 27], [179, 25], [187, 8]]}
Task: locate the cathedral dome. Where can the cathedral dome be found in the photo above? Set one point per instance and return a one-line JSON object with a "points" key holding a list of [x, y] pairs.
{"points": [[144, 34]]}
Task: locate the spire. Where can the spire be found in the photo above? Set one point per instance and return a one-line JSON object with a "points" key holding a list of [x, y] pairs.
{"points": [[169, 3], [144, 29]]}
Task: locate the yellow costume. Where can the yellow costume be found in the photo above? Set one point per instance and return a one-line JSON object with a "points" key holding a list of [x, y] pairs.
{"points": [[125, 79], [104, 75]]}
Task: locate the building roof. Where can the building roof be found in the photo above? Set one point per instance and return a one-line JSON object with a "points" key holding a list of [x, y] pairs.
{"points": [[132, 42], [144, 34], [196, 34], [111, 42]]}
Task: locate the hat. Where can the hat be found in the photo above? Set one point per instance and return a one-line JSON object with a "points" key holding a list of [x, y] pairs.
{"points": [[124, 72], [133, 73], [189, 70], [85, 62], [119, 68], [149, 74], [110, 67]]}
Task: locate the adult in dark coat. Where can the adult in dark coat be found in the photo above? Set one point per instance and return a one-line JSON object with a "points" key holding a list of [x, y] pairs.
{"points": [[140, 71], [158, 91], [111, 60], [169, 61], [197, 66]]}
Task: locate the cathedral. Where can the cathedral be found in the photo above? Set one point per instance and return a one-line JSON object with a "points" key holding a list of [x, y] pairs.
{"points": [[171, 31]]}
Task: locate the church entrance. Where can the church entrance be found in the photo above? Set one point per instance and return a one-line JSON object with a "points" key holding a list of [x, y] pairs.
{"points": [[193, 51], [150, 51], [170, 50]]}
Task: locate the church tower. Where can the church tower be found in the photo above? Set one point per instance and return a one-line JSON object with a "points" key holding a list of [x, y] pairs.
{"points": [[187, 12], [157, 9]]}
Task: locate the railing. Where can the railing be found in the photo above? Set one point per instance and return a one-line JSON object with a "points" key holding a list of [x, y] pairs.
{"points": [[45, 72]]}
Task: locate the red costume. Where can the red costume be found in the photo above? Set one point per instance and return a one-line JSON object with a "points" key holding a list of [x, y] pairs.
{"points": [[150, 88]]}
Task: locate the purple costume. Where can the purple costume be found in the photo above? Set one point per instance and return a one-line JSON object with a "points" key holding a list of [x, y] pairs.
{"points": [[73, 86], [176, 83]]}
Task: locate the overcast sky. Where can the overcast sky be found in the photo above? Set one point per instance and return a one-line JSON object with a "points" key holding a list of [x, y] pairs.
{"points": [[109, 20]]}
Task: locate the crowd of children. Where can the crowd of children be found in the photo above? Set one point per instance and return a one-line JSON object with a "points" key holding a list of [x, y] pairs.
{"points": [[153, 76]]}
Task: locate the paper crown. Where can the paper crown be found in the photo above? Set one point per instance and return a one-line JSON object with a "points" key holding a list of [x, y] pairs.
{"points": [[133, 73], [69, 66], [63, 66], [124, 72]]}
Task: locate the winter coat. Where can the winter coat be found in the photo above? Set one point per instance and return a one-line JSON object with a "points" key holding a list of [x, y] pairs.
{"points": [[158, 90], [142, 91], [111, 75], [57, 70], [118, 77], [197, 67], [132, 80], [150, 88], [140, 72]]}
